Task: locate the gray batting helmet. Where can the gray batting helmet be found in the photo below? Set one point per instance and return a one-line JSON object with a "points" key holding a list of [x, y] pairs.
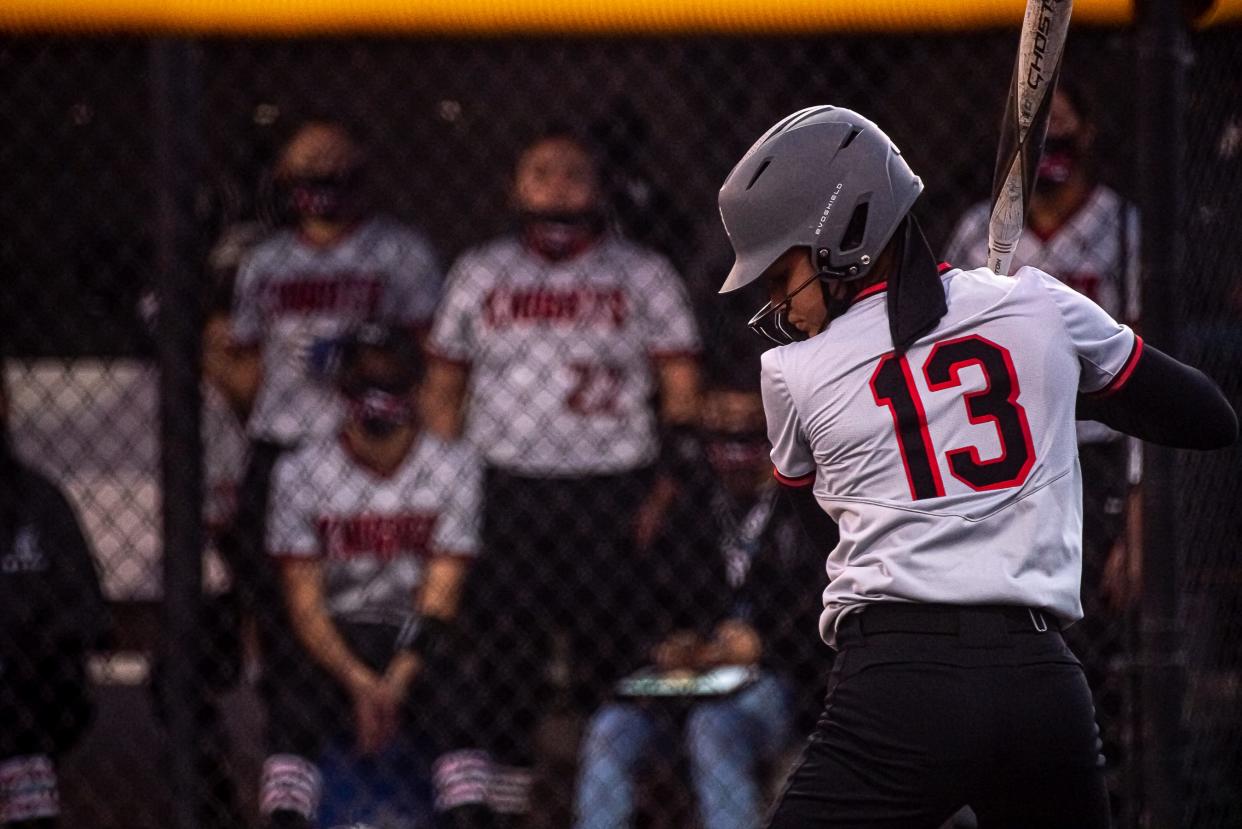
{"points": [[825, 178]]}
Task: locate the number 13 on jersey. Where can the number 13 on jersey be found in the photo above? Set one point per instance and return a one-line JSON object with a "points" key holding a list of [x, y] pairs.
{"points": [[996, 403]]}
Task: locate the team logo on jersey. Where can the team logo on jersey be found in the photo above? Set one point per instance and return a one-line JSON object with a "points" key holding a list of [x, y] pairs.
{"points": [[27, 555], [309, 293], [504, 307], [382, 537]]}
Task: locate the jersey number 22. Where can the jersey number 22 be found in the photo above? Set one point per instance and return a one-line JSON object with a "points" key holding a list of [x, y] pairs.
{"points": [[892, 384]]}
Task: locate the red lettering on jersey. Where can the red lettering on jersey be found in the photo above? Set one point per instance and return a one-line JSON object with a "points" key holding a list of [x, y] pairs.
{"points": [[338, 292], [503, 307], [381, 537]]}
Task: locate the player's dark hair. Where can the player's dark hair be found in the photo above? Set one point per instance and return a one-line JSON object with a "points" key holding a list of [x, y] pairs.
{"points": [[1077, 97], [353, 129], [564, 131]]}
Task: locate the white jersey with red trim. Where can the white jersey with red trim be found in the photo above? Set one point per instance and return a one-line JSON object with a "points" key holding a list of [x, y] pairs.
{"points": [[374, 533], [1095, 252], [560, 353], [296, 299], [952, 471]]}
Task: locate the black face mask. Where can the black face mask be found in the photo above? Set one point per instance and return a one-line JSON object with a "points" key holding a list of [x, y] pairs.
{"points": [[322, 197], [1060, 158], [380, 412], [559, 235]]}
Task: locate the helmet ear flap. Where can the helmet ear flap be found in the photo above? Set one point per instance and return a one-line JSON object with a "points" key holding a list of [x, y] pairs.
{"points": [[821, 258]]}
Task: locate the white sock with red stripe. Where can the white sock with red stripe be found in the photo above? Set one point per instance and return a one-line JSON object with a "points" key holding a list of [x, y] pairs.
{"points": [[471, 778], [290, 784]]}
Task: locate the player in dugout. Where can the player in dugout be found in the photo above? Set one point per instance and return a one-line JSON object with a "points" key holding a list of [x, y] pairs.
{"points": [[930, 412], [52, 615], [373, 529], [337, 264], [735, 733], [547, 351]]}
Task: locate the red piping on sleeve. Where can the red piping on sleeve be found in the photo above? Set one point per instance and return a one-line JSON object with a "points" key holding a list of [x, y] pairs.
{"points": [[1123, 376], [805, 480]]}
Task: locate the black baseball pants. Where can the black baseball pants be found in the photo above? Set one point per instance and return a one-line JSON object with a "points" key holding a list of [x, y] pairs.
{"points": [[933, 707]]}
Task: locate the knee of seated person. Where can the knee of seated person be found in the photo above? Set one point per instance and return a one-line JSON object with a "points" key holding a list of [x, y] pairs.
{"points": [[711, 728], [613, 722]]}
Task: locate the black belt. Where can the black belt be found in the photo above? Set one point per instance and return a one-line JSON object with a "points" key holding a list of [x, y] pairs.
{"points": [[900, 617]]}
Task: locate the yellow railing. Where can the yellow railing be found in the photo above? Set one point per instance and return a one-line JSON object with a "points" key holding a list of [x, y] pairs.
{"points": [[533, 17]]}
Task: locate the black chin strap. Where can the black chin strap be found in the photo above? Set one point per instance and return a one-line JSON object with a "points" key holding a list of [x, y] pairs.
{"points": [[915, 294]]}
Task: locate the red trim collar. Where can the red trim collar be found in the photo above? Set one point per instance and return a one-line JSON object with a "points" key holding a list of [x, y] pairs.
{"points": [[871, 290], [880, 287]]}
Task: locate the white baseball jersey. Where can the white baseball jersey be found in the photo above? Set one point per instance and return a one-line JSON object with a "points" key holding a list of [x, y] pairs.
{"points": [[372, 532], [295, 299], [952, 471], [1093, 252], [561, 353]]}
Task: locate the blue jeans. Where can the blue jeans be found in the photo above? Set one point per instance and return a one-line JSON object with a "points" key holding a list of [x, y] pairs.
{"points": [[726, 740]]}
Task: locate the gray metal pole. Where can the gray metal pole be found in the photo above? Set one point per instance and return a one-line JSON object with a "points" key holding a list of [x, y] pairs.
{"points": [[1162, 57], [174, 105]]}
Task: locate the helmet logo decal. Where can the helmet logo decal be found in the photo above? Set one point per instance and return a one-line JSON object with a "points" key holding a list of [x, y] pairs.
{"points": [[832, 200]]}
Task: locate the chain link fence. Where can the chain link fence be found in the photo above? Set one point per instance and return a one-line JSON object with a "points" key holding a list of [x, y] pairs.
{"points": [[1212, 535], [432, 186]]}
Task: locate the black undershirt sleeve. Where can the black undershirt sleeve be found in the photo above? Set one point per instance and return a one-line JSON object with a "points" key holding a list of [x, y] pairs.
{"points": [[819, 528], [1166, 402]]}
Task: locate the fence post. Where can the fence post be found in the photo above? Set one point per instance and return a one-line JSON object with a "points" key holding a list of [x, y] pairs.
{"points": [[175, 99], [1162, 56]]}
